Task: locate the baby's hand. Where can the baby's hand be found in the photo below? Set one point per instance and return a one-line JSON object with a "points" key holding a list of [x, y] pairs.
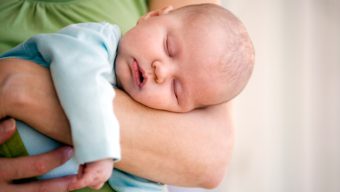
{"points": [[93, 175]]}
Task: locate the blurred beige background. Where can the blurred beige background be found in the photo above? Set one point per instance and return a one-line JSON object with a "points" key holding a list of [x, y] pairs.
{"points": [[288, 118]]}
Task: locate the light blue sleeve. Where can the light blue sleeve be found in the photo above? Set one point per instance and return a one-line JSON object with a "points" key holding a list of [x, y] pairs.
{"points": [[82, 64]]}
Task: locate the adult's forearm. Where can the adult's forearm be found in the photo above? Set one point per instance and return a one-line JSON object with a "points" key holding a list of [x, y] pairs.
{"points": [[189, 149], [27, 94]]}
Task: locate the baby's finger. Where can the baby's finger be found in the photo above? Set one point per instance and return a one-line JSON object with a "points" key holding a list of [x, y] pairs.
{"points": [[81, 171], [98, 186], [78, 184], [83, 180]]}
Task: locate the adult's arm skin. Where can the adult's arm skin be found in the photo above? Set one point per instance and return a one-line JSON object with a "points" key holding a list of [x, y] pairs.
{"points": [[11, 169]]}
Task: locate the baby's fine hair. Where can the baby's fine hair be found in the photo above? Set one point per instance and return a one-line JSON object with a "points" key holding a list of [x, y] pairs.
{"points": [[236, 65]]}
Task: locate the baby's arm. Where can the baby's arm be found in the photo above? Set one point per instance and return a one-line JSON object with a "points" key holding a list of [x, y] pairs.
{"points": [[81, 63]]}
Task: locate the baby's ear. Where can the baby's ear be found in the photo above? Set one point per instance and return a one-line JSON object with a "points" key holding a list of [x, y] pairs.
{"points": [[154, 13]]}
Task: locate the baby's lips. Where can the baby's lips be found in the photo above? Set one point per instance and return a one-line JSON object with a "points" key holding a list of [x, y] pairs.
{"points": [[135, 72], [138, 74]]}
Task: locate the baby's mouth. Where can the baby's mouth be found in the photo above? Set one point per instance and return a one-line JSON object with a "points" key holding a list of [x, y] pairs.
{"points": [[138, 74]]}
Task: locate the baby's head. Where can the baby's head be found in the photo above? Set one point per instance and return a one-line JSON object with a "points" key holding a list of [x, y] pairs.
{"points": [[183, 59]]}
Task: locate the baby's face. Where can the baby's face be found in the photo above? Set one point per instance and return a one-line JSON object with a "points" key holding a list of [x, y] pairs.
{"points": [[167, 64]]}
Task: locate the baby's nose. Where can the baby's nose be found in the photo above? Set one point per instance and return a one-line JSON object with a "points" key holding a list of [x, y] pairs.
{"points": [[161, 72]]}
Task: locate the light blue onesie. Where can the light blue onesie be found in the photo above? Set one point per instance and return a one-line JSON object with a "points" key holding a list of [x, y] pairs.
{"points": [[81, 61]]}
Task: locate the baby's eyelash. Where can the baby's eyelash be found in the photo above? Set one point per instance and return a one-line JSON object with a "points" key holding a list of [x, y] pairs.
{"points": [[168, 51], [167, 46], [174, 89]]}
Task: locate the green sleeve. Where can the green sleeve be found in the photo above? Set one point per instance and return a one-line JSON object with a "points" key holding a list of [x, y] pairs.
{"points": [[21, 19]]}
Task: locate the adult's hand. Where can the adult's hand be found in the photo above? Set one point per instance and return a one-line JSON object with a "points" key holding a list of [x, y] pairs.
{"points": [[25, 167]]}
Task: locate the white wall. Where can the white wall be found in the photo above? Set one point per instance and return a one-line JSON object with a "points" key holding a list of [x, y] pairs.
{"points": [[288, 118]]}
